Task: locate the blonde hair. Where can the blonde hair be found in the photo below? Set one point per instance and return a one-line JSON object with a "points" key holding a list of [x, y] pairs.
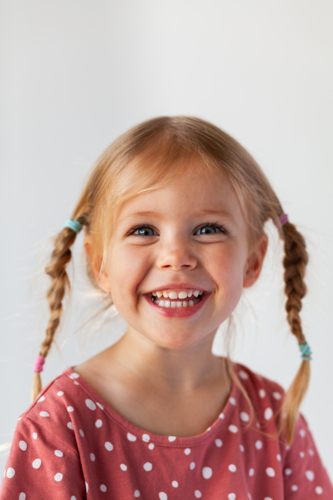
{"points": [[146, 158]]}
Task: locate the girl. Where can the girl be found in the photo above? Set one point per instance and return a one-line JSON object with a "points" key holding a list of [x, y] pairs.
{"points": [[173, 215]]}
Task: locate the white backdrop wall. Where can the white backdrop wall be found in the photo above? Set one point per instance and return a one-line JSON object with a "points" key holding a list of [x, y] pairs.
{"points": [[76, 74]]}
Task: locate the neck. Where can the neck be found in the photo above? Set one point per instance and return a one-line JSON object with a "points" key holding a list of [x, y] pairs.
{"points": [[180, 371]]}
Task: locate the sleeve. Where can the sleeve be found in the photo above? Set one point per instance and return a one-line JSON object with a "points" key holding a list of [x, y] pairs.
{"points": [[303, 471], [40, 465]]}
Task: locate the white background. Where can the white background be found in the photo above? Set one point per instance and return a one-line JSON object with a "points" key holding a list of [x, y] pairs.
{"points": [[76, 74]]}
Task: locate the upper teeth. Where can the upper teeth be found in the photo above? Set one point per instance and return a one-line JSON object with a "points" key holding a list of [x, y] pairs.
{"points": [[173, 294]]}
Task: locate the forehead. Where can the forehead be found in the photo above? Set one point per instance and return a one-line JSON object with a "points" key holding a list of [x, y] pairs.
{"points": [[191, 193]]}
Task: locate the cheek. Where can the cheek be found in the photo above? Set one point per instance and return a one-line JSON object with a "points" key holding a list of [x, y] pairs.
{"points": [[126, 269]]}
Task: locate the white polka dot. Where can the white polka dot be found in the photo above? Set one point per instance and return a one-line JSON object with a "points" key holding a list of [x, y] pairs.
{"points": [[270, 472], [294, 487], [108, 446], [231, 496], [232, 401], [22, 496], [258, 425], [277, 395], [268, 413], [70, 426], [87, 486], [218, 443], [102, 408], [74, 375], [60, 393], [81, 433], [302, 432], [192, 465], [10, 472], [187, 451], [278, 456], [147, 466], [233, 429], [70, 408], [163, 496], [58, 477], [262, 393], [319, 490], [310, 475], [36, 463], [301, 454], [244, 416], [197, 494], [145, 438], [175, 484], [130, 437], [92, 457], [232, 468], [207, 472], [241, 447], [76, 383], [243, 374], [221, 415], [251, 472], [44, 414], [58, 453], [99, 423], [91, 405], [311, 452], [34, 435], [23, 445], [41, 399], [287, 471], [73, 497], [123, 467], [267, 498], [258, 444], [137, 493], [103, 488], [172, 438], [151, 446]]}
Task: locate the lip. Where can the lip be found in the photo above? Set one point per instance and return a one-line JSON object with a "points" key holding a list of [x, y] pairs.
{"points": [[178, 286], [175, 312]]}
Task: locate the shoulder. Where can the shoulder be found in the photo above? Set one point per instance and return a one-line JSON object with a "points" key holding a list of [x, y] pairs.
{"points": [[51, 412], [265, 394]]}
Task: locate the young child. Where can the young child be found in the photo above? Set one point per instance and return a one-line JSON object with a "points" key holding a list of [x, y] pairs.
{"points": [[174, 215]]}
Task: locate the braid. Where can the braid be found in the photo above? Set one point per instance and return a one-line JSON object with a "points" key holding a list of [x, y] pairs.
{"points": [[294, 262], [56, 269]]}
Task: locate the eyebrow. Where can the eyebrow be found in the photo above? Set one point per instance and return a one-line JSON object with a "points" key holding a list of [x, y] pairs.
{"points": [[150, 213]]}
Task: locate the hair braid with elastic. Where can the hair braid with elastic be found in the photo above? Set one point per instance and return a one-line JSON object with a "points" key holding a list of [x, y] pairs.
{"points": [[56, 269], [294, 262]]}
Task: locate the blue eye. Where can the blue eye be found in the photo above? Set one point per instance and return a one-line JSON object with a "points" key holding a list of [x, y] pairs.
{"points": [[141, 229], [212, 226]]}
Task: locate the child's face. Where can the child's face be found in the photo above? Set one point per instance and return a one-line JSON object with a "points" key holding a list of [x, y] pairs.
{"points": [[180, 248]]}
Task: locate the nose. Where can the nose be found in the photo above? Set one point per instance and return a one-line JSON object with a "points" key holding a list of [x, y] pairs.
{"points": [[176, 254]]}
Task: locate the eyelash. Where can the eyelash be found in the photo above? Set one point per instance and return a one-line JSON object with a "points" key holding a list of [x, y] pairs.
{"points": [[207, 224]]}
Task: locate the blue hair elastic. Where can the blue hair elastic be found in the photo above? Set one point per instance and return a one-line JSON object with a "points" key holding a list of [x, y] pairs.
{"points": [[74, 225], [306, 351]]}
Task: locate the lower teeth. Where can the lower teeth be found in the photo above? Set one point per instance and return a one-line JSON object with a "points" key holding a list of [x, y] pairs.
{"points": [[174, 304]]}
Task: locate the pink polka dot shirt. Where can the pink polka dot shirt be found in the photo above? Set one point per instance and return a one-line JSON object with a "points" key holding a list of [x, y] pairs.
{"points": [[71, 445]]}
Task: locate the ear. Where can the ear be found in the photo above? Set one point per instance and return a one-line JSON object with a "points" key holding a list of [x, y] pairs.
{"points": [[102, 279], [255, 261]]}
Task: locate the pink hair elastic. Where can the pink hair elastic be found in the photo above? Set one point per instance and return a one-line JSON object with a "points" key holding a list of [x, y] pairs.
{"points": [[283, 218], [39, 362]]}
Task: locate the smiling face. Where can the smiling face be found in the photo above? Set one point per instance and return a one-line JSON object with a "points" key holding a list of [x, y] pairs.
{"points": [[173, 244]]}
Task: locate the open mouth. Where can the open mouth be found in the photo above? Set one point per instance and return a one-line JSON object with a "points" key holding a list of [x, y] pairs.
{"points": [[175, 303]]}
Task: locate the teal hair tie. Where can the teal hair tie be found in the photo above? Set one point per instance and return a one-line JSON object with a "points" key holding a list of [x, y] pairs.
{"points": [[306, 351], [75, 225]]}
